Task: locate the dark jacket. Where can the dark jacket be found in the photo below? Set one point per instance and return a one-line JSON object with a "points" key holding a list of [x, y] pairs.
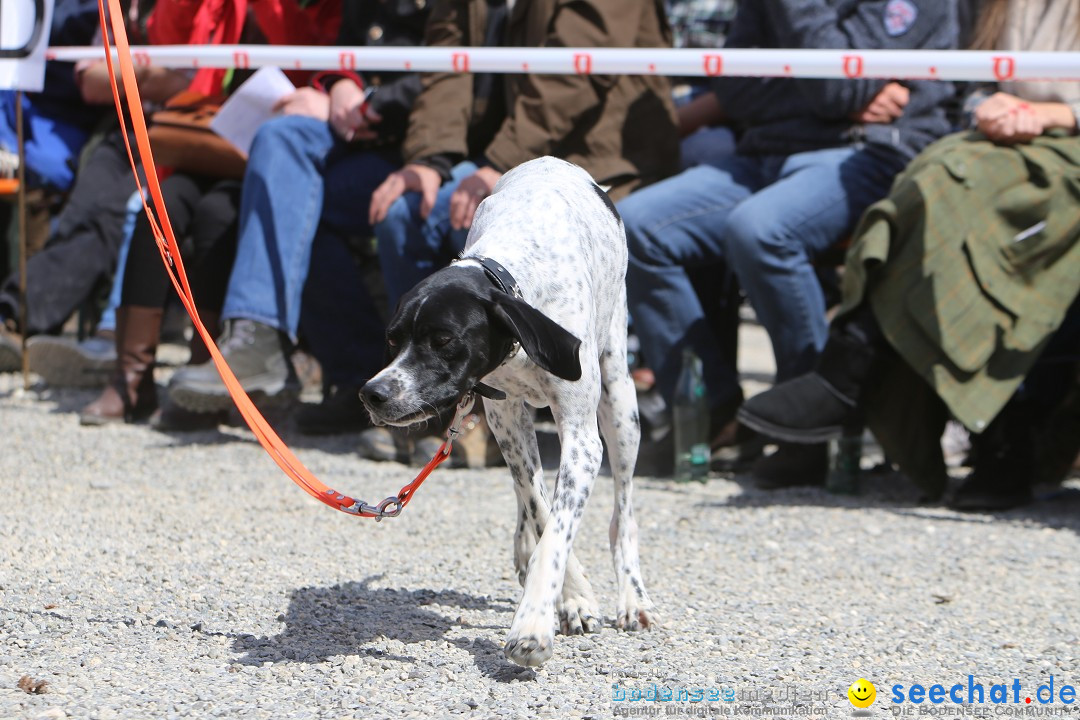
{"points": [[621, 129], [784, 116], [384, 23], [74, 22]]}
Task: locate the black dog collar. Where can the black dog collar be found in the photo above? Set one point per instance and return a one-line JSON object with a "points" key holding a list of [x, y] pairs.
{"points": [[502, 279], [498, 275]]}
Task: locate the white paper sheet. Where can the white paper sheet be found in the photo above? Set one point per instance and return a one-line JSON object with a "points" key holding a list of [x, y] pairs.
{"points": [[250, 106]]}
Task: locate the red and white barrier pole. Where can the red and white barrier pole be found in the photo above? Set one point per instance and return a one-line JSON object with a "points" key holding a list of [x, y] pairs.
{"points": [[886, 64]]}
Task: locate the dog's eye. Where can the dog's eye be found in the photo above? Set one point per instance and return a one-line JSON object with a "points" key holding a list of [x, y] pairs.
{"points": [[440, 340], [391, 342]]}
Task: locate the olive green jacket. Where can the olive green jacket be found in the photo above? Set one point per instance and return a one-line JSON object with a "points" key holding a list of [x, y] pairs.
{"points": [[622, 129], [969, 265]]}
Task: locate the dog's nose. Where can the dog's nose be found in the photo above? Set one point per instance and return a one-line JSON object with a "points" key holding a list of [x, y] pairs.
{"points": [[373, 394]]}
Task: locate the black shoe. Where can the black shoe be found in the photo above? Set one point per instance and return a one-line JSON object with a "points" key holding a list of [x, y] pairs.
{"points": [[173, 418], [10, 350], [1000, 476], [804, 410], [990, 490], [792, 465], [341, 411], [1004, 461], [740, 455], [820, 405]]}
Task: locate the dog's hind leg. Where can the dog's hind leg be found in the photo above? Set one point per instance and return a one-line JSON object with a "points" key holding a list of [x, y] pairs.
{"points": [[621, 428]]}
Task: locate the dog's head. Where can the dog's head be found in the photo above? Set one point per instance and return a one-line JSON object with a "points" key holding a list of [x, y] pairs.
{"points": [[450, 331]]}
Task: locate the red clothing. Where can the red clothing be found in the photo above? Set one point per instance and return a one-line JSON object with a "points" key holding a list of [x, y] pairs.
{"points": [[221, 22]]}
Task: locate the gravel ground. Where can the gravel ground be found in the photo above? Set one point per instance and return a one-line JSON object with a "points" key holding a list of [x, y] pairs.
{"points": [[145, 575]]}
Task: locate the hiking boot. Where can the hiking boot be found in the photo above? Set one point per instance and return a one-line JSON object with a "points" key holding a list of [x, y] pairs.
{"points": [[64, 362], [340, 411], [259, 357], [10, 349], [475, 448], [383, 444], [792, 465]]}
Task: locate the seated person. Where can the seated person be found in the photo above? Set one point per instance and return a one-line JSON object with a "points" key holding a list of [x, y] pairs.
{"points": [[956, 282], [56, 120], [812, 155], [307, 183], [466, 130], [62, 361], [697, 24], [81, 250]]}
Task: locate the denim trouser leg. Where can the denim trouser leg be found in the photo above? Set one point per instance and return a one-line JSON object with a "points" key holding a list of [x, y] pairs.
{"points": [[814, 200], [280, 207], [339, 318], [108, 316], [411, 247], [672, 225]]}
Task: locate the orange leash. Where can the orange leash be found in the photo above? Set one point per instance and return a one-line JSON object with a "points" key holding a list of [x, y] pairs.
{"points": [[174, 265]]}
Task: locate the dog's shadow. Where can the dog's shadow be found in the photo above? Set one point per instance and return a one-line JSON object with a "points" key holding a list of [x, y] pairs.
{"points": [[343, 620]]}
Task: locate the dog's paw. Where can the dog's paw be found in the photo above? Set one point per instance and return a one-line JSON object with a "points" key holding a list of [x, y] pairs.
{"points": [[578, 616], [530, 650], [637, 618]]}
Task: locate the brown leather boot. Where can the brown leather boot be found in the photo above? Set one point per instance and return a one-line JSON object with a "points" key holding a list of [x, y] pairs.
{"points": [[131, 394], [199, 353]]}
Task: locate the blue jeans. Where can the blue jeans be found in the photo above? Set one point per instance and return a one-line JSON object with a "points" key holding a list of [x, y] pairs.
{"points": [[299, 174], [108, 316], [411, 247], [765, 217]]}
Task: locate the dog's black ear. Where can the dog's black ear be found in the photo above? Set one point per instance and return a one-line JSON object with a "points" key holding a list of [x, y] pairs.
{"points": [[545, 342]]}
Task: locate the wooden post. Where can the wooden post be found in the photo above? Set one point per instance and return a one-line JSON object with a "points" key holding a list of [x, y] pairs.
{"points": [[22, 235]]}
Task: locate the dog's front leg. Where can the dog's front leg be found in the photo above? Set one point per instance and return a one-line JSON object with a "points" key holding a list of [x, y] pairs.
{"points": [[512, 424], [532, 636]]}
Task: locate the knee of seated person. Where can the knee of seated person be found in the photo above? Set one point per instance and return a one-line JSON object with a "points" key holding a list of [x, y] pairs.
{"points": [[749, 233], [283, 130], [399, 216], [641, 244]]}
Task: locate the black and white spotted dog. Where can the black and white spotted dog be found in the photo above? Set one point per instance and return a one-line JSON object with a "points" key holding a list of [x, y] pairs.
{"points": [[534, 314]]}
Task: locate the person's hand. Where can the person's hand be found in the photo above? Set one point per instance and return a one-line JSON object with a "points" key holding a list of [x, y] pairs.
{"points": [[469, 194], [413, 177], [704, 110], [887, 105], [1007, 119], [305, 101], [350, 118]]}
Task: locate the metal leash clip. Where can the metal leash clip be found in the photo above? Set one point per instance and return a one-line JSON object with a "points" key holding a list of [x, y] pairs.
{"points": [[455, 431], [380, 511], [392, 506]]}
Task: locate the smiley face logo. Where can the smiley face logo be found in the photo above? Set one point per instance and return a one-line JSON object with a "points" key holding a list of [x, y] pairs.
{"points": [[862, 693]]}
